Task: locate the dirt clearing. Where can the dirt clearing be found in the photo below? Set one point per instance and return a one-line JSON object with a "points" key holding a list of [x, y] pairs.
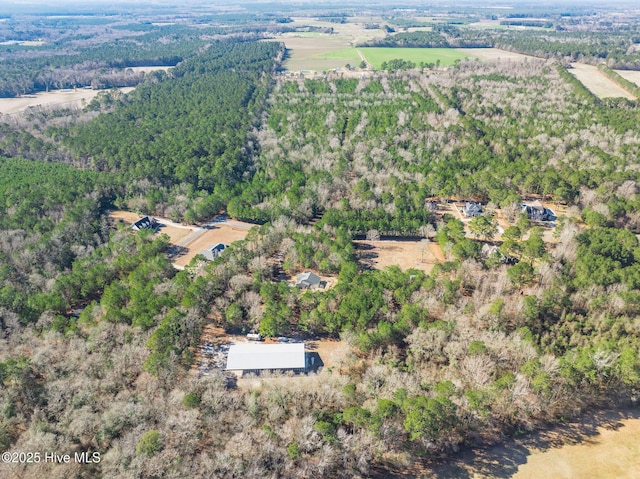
{"points": [[57, 99], [189, 240], [422, 255], [219, 233], [597, 83], [600, 445], [631, 75], [493, 54], [614, 452]]}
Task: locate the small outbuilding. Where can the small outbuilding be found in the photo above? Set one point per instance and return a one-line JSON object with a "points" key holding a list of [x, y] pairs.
{"points": [[212, 252], [308, 280], [255, 357], [145, 223]]}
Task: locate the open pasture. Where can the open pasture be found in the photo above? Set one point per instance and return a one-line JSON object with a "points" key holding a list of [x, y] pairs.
{"points": [[597, 83], [318, 53], [51, 99], [631, 75]]}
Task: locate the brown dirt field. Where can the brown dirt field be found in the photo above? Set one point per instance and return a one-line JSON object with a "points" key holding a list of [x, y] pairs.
{"points": [[60, 99], [220, 233], [332, 352], [631, 75], [600, 445], [492, 54], [612, 453], [597, 83], [190, 240], [304, 46], [174, 233], [406, 254]]}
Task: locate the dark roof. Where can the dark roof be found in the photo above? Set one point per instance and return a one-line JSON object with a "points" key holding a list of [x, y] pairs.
{"points": [[144, 223]]}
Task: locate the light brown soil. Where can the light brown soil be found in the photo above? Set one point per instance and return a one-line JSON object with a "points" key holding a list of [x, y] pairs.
{"points": [[331, 351], [631, 75], [421, 255], [190, 240], [493, 54], [613, 453], [597, 83], [174, 233], [220, 233], [60, 99], [600, 445]]}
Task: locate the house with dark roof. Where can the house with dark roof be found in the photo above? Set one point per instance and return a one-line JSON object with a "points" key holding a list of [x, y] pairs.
{"points": [[145, 223], [471, 209], [212, 252], [536, 212]]}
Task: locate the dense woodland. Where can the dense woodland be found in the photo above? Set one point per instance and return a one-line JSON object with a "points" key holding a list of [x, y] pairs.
{"points": [[98, 328]]}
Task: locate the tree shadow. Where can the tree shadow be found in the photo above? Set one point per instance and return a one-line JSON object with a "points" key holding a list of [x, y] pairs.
{"points": [[314, 362], [176, 252], [502, 461]]}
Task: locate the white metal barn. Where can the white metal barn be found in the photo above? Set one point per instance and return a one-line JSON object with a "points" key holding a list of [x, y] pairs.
{"points": [[254, 358]]}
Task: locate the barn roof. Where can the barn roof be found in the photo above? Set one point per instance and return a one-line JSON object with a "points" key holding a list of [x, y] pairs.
{"points": [[248, 356]]}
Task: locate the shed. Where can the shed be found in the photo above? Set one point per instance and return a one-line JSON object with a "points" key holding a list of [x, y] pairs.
{"points": [[307, 280], [255, 357], [212, 252], [145, 223]]}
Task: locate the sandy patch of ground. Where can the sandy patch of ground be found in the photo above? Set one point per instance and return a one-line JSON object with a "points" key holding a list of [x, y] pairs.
{"points": [[597, 83], [57, 99], [219, 233], [493, 54], [600, 445], [422, 255], [631, 75], [612, 453], [189, 240], [176, 233]]}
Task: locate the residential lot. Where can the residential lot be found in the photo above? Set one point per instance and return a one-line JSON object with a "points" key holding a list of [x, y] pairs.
{"points": [[422, 255], [189, 240]]}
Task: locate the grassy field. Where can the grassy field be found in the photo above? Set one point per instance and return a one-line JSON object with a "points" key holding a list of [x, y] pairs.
{"points": [[447, 56], [599, 84], [631, 75], [317, 52]]}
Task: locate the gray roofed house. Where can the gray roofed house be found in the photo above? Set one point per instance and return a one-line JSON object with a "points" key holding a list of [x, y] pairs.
{"points": [[308, 280], [253, 357], [213, 252], [536, 212], [471, 210], [145, 223]]}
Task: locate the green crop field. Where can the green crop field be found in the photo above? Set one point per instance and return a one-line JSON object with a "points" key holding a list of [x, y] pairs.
{"points": [[447, 56], [346, 55]]}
